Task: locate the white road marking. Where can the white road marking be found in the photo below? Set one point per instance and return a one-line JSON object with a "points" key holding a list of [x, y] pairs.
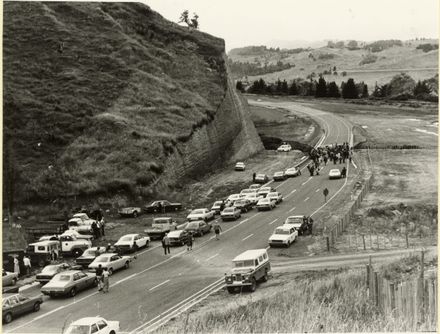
{"points": [[292, 209], [243, 221], [250, 235], [273, 221], [291, 193], [210, 258], [154, 287], [306, 199], [317, 190], [306, 181]]}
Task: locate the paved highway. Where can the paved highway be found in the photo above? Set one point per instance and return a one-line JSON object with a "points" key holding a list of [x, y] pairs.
{"points": [[157, 287]]}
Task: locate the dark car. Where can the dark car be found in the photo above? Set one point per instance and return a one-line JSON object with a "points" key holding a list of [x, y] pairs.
{"points": [[261, 178], [243, 204], [198, 227], [162, 206], [177, 237], [16, 304], [89, 256], [50, 271]]}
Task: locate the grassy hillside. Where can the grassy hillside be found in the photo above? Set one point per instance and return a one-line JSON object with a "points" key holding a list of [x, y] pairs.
{"points": [[361, 64], [97, 95]]}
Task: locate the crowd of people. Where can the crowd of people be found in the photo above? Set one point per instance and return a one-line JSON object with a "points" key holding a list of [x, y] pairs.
{"points": [[337, 153]]}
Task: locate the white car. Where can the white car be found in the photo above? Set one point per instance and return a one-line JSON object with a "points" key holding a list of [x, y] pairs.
{"points": [[253, 197], [95, 325], [9, 278], [283, 235], [334, 174], [255, 186], [81, 223], [276, 196], [248, 191], [240, 166], [263, 191], [111, 262], [232, 198], [78, 235], [290, 172], [200, 214], [266, 204], [284, 148], [132, 242]]}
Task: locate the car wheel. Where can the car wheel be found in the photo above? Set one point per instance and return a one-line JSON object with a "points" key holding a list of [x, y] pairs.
{"points": [[7, 318], [77, 252], [112, 332], [253, 287], [36, 307], [14, 281], [72, 292], [135, 214], [95, 282], [231, 290], [110, 271], [127, 265]]}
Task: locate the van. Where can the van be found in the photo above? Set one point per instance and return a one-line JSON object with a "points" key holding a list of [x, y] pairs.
{"points": [[44, 250]]}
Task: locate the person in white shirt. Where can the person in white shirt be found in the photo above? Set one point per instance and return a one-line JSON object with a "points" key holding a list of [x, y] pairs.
{"points": [[27, 265]]}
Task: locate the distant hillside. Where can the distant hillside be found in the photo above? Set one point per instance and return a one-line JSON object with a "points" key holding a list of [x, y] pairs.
{"points": [[360, 63], [104, 98]]}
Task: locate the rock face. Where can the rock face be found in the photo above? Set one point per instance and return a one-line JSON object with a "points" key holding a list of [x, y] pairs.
{"points": [[106, 98]]}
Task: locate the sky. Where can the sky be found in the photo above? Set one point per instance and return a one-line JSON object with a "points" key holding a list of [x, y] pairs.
{"points": [[264, 22]]}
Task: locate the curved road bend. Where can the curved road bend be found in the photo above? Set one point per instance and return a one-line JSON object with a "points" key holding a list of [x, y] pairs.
{"points": [[156, 283]]}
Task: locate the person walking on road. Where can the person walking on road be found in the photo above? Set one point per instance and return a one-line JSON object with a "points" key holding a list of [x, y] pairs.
{"points": [[99, 272], [217, 230], [166, 245], [254, 176], [27, 265], [189, 241], [105, 280]]}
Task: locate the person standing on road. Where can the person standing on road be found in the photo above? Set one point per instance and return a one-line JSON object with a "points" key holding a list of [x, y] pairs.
{"points": [[254, 176], [189, 242], [99, 272], [27, 265], [105, 280], [166, 244], [217, 230], [16, 266]]}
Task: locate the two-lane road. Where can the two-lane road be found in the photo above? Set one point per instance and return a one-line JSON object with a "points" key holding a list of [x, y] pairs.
{"points": [[156, 284]]}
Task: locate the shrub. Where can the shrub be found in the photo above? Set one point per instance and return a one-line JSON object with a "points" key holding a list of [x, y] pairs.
{"points": [[368, 59]]}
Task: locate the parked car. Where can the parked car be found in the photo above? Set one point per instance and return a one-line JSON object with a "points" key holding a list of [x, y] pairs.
{"points": [[266, 204], [132, 242], [284, 148], [255, 186], [240, 166], [218, 207], [291, 172], [69, 282], [77, 235], [263, 191], [334, 174], [253, 198], [130, 212], [177, 237], [232, 198], [248, 191], [200, 214], [275, 196], [92, 325], [89, 256], [15, 304], [231, 213], [198, 228], [244, 205], [9, 278], [48, 272], [160, 227], [81, 223], [283, 235], [279, 176], [111, 262], [250, 267], [261, 178], [43, 250], [162, 206], [302, 223]]}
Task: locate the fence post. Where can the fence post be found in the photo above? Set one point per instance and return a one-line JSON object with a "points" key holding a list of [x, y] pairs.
{"points": [[363, 240], [328, 244], [367, 267], [376, 289], [392, 297]]}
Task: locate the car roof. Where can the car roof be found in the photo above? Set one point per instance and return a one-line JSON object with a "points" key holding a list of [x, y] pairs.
{"points": [[69, 272], [287, 226], [87, 321], [175, 232], [250, 254], [109, 254]]}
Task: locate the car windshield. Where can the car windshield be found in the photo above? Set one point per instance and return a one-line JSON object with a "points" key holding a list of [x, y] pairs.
{"points": [[266, 189], [126, 238], [49, 269], [218, 203], [174, 234], [197, 212], [63, 278], [78, 329], [294, 220], [260, 176], [229, 209], [193, 225], [247, 191], [245, 263], [103, 258], [239, 202], [272, 195], [160, 221], [281, 231], [264, 200], [279, 173]]}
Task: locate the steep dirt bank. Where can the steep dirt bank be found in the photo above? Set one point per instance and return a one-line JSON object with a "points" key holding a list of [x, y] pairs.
{"points": [[105, 99]]}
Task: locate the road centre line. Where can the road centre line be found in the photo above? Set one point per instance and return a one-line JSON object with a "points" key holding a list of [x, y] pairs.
{"points": [[273, 221], [306, 181], [210, 258], [292, 209], [154, 287], [250, 235], [317, 190], [306, 199]]}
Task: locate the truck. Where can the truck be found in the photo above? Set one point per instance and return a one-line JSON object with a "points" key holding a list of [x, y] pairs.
{"points": [[160, 227], [70, 245]]}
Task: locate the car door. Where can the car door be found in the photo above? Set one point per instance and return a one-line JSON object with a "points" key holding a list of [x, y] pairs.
{"points": [[202, 227], [103, 327], [116, 262], [77, 282], [26, 304], [16, 307]]}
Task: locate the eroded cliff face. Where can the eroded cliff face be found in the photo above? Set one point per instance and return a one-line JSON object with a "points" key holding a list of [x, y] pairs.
{"points": [[111, 98]]}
